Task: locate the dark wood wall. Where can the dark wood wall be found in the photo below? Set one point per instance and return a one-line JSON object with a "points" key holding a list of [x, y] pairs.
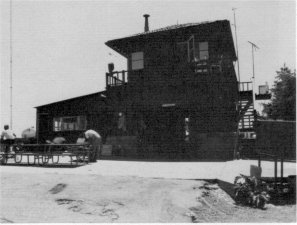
{"points": [[94, 107]]}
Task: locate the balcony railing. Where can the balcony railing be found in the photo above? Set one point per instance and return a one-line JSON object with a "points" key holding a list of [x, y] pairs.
{"points": [[207, 66], [116, 78], [245, 86]]}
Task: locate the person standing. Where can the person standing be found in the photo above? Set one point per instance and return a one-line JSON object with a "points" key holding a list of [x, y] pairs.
{"points": [[96, 142], [7, 138], [122, 124]]}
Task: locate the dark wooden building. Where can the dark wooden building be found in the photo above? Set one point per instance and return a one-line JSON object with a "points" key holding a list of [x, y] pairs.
{"points": [[179, 92], [69, 118]]}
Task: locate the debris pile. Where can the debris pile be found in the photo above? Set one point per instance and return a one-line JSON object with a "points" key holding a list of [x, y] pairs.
{"points": [[250, 191]]}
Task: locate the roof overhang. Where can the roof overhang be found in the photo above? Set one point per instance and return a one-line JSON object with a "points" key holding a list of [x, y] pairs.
{"points": [[123, 45]]}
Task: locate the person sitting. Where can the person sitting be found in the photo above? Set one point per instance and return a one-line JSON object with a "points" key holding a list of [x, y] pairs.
{"points": [[7, 138]]}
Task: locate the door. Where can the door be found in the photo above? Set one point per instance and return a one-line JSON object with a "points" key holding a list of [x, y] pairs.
{"points": [[170, 129]]}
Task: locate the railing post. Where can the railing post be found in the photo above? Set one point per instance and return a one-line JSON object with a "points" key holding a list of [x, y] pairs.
{"points": [[123, 76], [106, 80]]}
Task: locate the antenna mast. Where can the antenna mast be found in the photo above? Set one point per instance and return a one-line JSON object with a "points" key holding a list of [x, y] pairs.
{"points": [[233, 9], [10, 41], [254, 46]]}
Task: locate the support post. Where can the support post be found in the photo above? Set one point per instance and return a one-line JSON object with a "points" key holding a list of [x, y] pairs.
{"points": [[123, 76], [282, 165], [275, 171], [106, 80], [259, 160]]}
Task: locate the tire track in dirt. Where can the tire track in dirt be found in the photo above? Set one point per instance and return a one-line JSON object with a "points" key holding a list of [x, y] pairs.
{"points": [[4, 220], [215, 205], [106, 208]]}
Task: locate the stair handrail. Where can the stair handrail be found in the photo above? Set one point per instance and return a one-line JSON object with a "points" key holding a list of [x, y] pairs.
{"points": [[248, 85]]}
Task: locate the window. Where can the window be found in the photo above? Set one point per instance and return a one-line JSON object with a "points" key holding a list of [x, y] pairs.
{"points": [[69, 123], [137, 60], [203, 50]]}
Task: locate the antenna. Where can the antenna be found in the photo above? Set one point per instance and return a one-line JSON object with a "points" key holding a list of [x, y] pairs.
{"points": [[254, 47], [238, 72], [10, 41], [233, 9]]}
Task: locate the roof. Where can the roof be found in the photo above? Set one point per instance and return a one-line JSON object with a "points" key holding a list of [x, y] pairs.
{"points": [[70, 99], [172, 27], [120, 44]]}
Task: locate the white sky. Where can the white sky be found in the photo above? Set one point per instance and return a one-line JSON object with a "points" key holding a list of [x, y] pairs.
{"points": [[59, 51]]}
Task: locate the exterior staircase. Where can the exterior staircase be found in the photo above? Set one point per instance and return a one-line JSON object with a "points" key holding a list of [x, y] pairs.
{"points": [[246, 117]]}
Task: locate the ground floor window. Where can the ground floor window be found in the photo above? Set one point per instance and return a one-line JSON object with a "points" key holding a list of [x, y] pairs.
{"points": [[69, 123]]}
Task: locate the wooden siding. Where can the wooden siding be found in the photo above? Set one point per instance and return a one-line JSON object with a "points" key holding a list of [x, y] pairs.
{"points": [[94, 107]]}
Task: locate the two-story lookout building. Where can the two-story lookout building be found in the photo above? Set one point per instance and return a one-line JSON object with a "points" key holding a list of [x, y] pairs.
{"points": [[178, 94]]}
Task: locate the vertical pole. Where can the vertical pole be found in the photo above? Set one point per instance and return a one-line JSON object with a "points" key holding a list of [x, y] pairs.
{"points": [[275, 170], [253, 77], [236, 44], [253, 48], [282, 165], [239, 100], [106, 80], [253, 62], [10, 41], [37, 126]]}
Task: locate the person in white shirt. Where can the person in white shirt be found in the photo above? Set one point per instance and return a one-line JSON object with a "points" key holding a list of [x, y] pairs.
{"points": [[7, 138], [96, 142]]}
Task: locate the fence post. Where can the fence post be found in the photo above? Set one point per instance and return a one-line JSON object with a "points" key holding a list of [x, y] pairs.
{"points": [[275, 170]]}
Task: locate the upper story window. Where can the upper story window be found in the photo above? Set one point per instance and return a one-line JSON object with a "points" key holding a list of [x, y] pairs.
{"points": [[196, 50], [203, 50], [137, 60], [69, 123]]}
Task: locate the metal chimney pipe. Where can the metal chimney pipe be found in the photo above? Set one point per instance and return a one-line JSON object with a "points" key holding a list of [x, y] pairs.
{"points": [[146, 23]]}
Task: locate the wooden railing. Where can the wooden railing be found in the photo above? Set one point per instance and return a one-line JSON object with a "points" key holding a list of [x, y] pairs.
{"points": [[207, 66], [116, 78], [245, 86]]}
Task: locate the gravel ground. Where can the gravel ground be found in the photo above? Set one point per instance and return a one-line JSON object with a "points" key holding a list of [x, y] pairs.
{"points": [[126, 191]]}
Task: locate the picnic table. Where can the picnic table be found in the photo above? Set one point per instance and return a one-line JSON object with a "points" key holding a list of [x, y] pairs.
{"points": [[44, 153]]}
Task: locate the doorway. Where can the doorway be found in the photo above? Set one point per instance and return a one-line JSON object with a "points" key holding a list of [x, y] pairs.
{"points": [[169, 130]]}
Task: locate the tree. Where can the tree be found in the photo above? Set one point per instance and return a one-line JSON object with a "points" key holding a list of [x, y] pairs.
{"points": [[283, 104]]}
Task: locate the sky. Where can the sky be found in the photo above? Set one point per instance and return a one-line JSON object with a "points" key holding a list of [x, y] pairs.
{"points": [[58, 49]]}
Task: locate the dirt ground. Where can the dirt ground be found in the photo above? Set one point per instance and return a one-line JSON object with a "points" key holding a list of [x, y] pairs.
{"points": [[48, 196]]}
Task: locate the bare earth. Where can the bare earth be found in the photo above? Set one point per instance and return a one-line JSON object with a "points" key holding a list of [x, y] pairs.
{"points": [[48, 195]]}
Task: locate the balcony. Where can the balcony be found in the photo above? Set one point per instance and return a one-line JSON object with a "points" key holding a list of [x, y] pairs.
{"points": [[119, 78], [116, 78]]}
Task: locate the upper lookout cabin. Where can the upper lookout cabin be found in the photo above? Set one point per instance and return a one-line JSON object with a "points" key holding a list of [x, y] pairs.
{"points": [[176, 54]]}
